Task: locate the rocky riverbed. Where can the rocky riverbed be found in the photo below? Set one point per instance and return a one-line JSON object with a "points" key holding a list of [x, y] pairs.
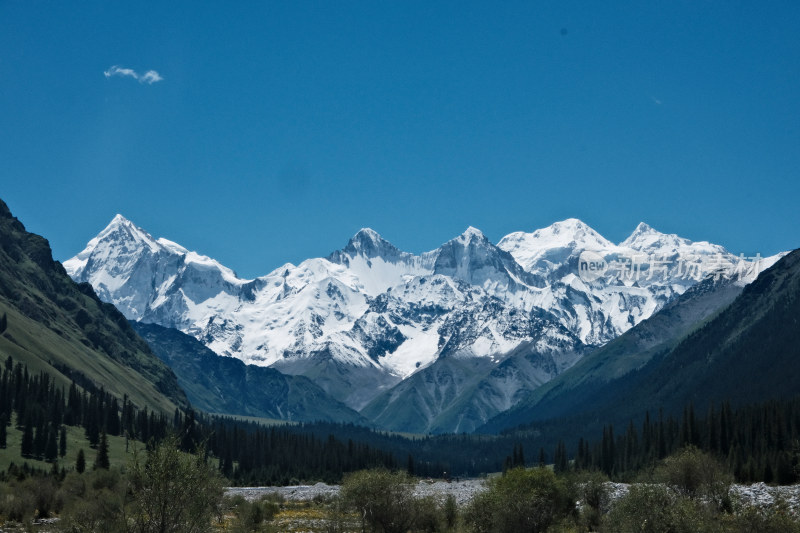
{"points": [[758, 494], [463, 490]]}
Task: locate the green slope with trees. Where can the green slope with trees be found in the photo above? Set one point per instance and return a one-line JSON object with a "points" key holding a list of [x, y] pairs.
{"points": [[54, 325]]}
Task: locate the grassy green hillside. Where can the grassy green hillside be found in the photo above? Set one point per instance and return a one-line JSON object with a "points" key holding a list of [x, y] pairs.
{"points": [[53, 324], [76, 440]]}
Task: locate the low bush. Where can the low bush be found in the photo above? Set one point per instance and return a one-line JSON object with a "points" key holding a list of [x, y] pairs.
{"points": [[520, 500], [591, 493], [649, 508], [255, 516], [697, 475]]}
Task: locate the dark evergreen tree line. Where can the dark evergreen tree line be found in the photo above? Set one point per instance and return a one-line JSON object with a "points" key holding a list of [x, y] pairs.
{"points": [[758, 442], [247, 452], [250, 454], [42, 410]]}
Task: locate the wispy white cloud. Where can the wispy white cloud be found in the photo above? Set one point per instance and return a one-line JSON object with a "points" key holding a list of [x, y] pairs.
{"points": [[150, 77], [656, 100]]}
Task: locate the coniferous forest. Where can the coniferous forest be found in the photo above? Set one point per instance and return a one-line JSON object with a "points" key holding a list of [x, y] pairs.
{"points": [[758, 442]]}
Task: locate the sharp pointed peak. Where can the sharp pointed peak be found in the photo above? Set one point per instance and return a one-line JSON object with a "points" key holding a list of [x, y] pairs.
{"points": [[645, 236], [367, 233], [121, 226], [120, 222], [642, 230], [367, 237], [644, 227], [366, 242], [471, 232], [119, 219]]}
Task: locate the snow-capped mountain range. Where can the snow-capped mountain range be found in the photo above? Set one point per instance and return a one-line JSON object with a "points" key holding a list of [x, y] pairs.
{"points": [[369, 315]]}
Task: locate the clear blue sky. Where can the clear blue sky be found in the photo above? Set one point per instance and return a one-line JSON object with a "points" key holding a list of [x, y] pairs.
{"points": [[281, 128]]}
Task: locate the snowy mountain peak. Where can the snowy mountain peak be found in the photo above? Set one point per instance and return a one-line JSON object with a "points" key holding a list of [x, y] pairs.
{"points": [[652, 242], [571, 231], [471, 257], [367, 243], [647, 239], [370, 314], [368, 234], [550, 248], [121, 234], [119, 222], [119, 219], [644, 233], [472, 233], [570, 225]]}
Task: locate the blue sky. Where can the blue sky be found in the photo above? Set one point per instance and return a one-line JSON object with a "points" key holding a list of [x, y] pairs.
{"points": [[281, 128]]}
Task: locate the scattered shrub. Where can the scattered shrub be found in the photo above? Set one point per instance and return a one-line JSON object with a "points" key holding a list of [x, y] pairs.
{"points": [[383, 500], [777, 518], [591, 493], [172, 491], [649, 508], [450, 511], [697, 475], [255, 516], [519, 501]]}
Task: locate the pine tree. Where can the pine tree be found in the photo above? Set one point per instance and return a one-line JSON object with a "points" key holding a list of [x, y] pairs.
{"points": [[80, 462], [227, 463], [189, 439], [662, 439], [27, 440], [92, 428], [712, 439], [62, 442], [3, 323], [113, 424], [39, 441], [560, 462], [101, 461], [51, 447]]}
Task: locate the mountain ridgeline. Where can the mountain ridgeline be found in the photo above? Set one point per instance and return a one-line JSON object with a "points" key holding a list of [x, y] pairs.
{"points": [[442, 341]]}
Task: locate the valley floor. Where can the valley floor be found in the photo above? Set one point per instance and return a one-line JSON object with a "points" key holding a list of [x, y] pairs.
{"points": [[463, 490], [757, 494], [305, 507]]}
